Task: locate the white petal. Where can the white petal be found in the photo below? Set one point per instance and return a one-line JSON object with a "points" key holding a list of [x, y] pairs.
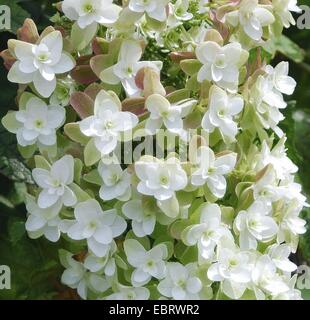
{"points": [[15, 75], [46, 199], [44, 87], [65, 64]]}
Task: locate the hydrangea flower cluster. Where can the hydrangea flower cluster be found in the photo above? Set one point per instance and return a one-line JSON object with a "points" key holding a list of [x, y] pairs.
{"points": [[153, 131]]}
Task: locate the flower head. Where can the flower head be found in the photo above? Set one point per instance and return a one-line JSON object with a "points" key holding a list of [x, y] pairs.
{"points": [[88, 12], [221, 64], [40, 63], [56, 183], [35, 123], [107, 123], [98, 227]]}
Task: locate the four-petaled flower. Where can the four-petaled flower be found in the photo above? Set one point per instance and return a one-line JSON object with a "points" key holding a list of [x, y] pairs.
{"points": [[160, 179], [148, 264], [127, 67], [88, 12], [155, 9], [36, 122], [221, 64], [108, 122], [98, 227], [211, 170], [222, 110], [40, 63], [56, 183]]}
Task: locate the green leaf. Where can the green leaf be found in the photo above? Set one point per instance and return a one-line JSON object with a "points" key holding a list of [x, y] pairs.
{"points": [[93, 177], [80, 194], [72, 130], [41, 162], [190, 66], [290, 49], [91, 154], [16, 229], [81, 38]]}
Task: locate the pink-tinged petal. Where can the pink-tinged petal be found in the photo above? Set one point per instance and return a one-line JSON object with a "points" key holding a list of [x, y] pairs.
{"points": [[84, 75], [28, 32], [82, 104]]}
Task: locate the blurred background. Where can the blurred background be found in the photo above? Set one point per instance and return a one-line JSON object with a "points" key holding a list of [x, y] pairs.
{"points": [[34, 264]]}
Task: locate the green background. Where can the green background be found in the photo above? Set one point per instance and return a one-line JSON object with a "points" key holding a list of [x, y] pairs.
{"points": [[34, 264]]}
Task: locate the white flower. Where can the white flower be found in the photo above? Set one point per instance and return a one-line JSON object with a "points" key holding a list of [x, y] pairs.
{"points": [[56, 183], [255, 224], [77, 277], [163, 112], [178, 13], [277, 157], [39, 63], [291, 224], [291, 293], [208, 232], [128, 65], [221, 64], [267, 102], [211, 170], [116, 182], [282, 8], [222, 109], [180, 282], [98, 227], [107, 123], [155, 9], [266, 278], [233, 270], [106, 263], [43, 221], [280, 256], [143, 223], [266, 188], [88, 12], [160, 178], [280, 79], [129, 293], [148, 264], [203, 6], [252, 17], [36, 123]]}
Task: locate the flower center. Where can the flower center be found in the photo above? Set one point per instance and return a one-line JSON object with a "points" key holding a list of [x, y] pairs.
{"points": [[164, 114], [129, 70], [55, 183], [220, 61], [208, 233], [181, 283], [114, 178], [39, 123], [109, 125], [150, 263], [43, 57], [88, 8], [164, 180], [92, 225], [232, 263], [253, 223], [221, 113]]}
